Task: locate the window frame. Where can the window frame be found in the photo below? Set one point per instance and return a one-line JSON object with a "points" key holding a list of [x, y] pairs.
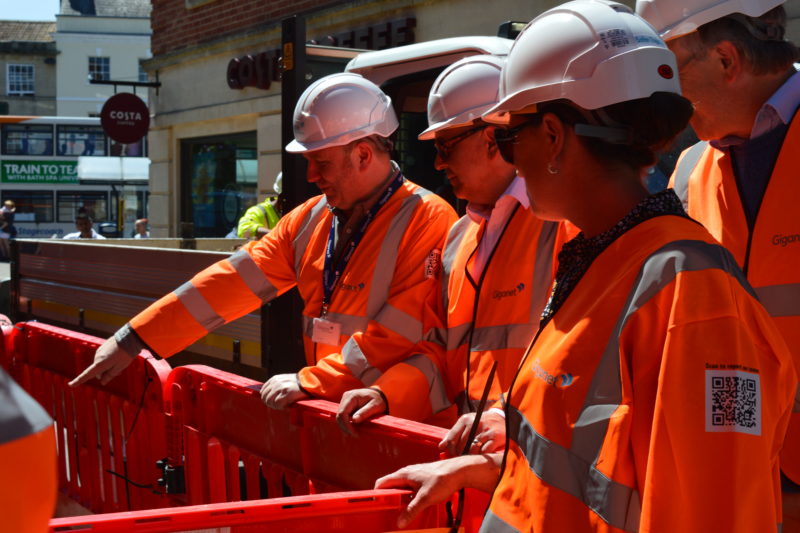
{"points": [[107, 65], [32, 92]]}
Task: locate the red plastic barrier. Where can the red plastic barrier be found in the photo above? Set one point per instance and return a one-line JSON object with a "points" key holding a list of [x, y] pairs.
{"points": [[230, 440], [109, 437], [365, 512]]}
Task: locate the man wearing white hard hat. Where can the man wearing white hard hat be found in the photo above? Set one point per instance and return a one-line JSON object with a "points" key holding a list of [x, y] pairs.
{"points": [[498, 259], [741, 181], [364, 255]]}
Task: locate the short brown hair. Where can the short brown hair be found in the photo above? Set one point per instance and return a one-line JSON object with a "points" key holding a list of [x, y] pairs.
{"points": [[759, 39]]}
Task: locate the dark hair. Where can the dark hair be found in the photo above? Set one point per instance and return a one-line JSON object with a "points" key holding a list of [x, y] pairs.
{"points": [[759, 39], [653, 124]]}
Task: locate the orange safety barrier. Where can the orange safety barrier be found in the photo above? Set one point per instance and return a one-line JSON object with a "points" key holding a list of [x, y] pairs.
{"points": [[215, 442], [365, 512], [108, 437]]}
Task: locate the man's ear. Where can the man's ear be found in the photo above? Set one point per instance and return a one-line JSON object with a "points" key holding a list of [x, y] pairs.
{"points": [[362, 154], [487, 138], [728, 60]]}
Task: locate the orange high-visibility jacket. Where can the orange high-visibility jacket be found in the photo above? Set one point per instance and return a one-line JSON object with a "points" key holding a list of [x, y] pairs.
{"points": [[490, 318], [655, 399], [382, 301], [27, 460], [769, 254]]}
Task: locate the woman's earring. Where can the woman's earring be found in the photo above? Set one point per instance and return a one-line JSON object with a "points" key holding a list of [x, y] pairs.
{"points": [[552, 169]]}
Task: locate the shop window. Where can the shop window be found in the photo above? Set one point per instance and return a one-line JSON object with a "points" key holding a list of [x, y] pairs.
{"points": [[95, 203], [219, 178], [99, 68], [32, 206], [30, 139], [143, 77], [20, 80], [81, 140]]}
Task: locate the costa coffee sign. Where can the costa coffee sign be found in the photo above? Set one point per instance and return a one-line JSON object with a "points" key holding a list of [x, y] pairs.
{"points": [[261, 69], [125, 118]]}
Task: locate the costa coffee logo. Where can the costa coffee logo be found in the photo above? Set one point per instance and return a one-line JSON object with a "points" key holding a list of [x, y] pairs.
{"points": [[260, 70], [125, 118]]}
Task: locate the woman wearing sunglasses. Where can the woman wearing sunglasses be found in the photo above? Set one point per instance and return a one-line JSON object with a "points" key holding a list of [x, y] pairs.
{"points": [[656, 392]]}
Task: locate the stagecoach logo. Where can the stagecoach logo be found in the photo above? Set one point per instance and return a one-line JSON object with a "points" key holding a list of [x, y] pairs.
{"points": [[20, 171], [561, 381]]}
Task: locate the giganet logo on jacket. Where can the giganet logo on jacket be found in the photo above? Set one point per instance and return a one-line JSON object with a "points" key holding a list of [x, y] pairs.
{"points": [[556, 380]]}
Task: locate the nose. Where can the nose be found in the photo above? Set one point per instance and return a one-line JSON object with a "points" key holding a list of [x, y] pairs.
{"points": [[439, 162], [312, 172]]}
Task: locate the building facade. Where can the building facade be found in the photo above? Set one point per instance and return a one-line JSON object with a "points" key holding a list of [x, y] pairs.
{"points": [[27, 68], [215, 137], [100, 39]]}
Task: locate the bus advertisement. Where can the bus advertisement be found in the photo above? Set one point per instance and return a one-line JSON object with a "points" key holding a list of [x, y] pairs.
{"points": [[54, 167]]}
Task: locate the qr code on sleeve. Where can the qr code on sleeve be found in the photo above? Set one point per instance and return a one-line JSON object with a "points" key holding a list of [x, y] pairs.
{"points": [[733, 402]]}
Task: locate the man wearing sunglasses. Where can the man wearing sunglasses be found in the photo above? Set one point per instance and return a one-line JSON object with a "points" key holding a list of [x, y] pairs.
{"points": [[498, 261]]}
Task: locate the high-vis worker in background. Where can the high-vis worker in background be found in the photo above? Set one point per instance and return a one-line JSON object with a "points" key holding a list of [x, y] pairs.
{"points": [[364, 255], [657, 390], [741, 180], [259, 219], [498, 259], [27, 460]]}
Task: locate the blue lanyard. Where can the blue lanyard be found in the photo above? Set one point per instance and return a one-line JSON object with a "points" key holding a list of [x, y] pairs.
{"points": [[332, 273]]}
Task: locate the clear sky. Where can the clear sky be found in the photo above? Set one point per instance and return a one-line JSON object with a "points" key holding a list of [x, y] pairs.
{"points": [[29, 9]]}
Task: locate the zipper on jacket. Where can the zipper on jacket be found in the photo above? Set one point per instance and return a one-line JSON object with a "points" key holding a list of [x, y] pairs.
{"points": [[478, 288]]}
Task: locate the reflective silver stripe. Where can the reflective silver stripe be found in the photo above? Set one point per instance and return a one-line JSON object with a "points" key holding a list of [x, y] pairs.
{"points": [[400, 322], [559, 467], [129, 341], [574, 470], [683, 171], [357, 363], [542, 271], [458, 335], [253, 276], [454, 239], [198, 306], [350, 324], [387, 257], [780, 300], [437, 335], [436, 390], [20, 415], [307, 227], [494, 524], [502, 337]]}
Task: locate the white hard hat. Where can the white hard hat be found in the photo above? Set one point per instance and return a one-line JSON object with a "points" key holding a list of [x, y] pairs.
{"points": [[462, 93], [278, 185], [593, 53], [338, 109], [673, 18]]}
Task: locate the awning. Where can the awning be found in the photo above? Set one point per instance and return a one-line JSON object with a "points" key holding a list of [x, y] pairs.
{"points": [[114, 169]]}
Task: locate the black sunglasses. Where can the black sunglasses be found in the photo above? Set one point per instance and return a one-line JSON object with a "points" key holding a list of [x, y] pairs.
{"points": [[445, 148], [506, 138]]}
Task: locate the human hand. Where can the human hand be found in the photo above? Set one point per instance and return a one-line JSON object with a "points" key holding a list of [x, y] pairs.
{"points": [[281, 390], [432, 483], [491, 435], [358, 405], [109, 360]]}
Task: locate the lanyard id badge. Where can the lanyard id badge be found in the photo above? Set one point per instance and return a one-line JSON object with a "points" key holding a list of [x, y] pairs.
{"points": [[326, 332], [331, 272]]}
